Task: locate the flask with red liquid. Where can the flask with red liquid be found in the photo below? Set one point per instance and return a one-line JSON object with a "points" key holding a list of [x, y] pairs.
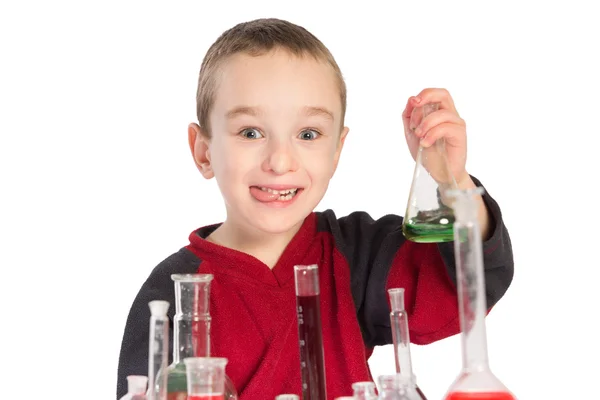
{"points": [[205, 378], [475, 381], [310, 335]]}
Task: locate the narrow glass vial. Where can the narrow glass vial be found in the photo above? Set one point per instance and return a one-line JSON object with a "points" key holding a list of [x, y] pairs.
{"points": [[475, 381], [287, 397], [428, 217], [191, 332], [310, 335], [158, 354], [364, 391], [401, 338]]}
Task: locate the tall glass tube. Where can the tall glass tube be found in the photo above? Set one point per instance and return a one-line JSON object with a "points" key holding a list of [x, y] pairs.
{"points": [[310, 335], [395, 387], [401, 338], [475, 381], [158, 354]]}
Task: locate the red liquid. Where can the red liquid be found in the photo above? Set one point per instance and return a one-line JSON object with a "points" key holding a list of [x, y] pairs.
{"points": [[177, 395], [480, 396], [206, 397], [310, 334]]}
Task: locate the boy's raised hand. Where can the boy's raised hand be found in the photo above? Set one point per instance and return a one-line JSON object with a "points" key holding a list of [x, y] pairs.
{"points": [[443, 123]]}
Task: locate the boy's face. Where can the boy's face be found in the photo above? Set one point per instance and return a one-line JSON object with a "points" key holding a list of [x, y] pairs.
{"points": [[276, 137]]}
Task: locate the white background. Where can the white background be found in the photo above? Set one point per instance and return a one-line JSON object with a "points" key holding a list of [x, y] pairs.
{"points": [[98, 185]]}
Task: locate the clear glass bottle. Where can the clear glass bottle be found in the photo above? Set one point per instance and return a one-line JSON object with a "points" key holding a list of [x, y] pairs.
{"points": [[364, 391], [396, 387], [191, 336], [475, 381], [429, 217]]}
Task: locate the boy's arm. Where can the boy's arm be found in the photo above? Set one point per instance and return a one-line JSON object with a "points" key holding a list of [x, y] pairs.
{"points": [[381, 258], [133, 358]]}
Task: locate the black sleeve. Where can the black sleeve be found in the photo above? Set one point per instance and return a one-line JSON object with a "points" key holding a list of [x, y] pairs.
{"points": [[133, 358], [370, 246]]}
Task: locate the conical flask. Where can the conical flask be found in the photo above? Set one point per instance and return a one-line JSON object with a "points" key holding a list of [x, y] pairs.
{"points": [[429, 216], [475, 381], [191, 336]]}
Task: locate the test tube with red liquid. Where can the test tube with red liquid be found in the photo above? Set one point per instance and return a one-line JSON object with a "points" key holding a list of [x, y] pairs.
{"points": [[475, 381], [205, 378], [310, 335]]}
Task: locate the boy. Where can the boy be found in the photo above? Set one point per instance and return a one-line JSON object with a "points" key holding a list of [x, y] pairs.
{"points": [[271, 102]]}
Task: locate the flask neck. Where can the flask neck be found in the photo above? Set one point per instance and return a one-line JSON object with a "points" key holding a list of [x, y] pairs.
{"points": [[471, 292], [192, 320]]}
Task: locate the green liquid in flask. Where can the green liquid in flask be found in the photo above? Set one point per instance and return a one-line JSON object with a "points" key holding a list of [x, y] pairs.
{"points": [[430, 227]]}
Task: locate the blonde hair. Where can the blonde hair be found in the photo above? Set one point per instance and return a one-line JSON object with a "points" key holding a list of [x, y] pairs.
{"points": [[256, 38]]}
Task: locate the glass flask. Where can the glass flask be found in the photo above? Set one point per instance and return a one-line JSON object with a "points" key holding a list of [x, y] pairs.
{"points": [[401, 338], [364, 391], [287, 397], [205, 378], [475, 381], [396, 387], [136, 387], [191, 337], [310, 334], [158, 354], [429, 217]]}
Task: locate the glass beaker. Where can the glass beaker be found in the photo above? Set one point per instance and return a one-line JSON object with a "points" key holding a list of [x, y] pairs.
{"points": [[310, 334], [401, 338], [205, 378], [191, 336], [158, 354], [364, 391], [429, 217], [475, 381]]}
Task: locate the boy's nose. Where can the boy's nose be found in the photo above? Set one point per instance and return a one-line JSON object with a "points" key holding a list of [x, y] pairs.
{"points": [[280, 160]]}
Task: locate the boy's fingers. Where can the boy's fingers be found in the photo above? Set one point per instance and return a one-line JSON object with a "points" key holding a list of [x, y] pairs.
{"points": [[449, 131], [411, 104], [436, 95], [437, 118]]}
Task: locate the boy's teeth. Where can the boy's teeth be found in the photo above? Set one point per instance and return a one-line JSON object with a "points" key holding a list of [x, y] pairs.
{"points": [[279, 192]]}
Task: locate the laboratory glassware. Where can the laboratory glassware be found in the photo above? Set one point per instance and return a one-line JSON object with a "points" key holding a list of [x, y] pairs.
{"points": [[191, 332], [476, 380], [364, 391], [158, 354], [136, 388], [429, 217], [205, 377], [310, 334], [286, 396], [396, 387], [401, 338]]}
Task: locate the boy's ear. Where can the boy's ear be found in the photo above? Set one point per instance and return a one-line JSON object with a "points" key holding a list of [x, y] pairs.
{"points": [[340, 145], [199, 141]]}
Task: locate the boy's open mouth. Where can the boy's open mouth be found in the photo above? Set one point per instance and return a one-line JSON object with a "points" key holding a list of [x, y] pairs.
{"points": [[284, 195], [268, 195]]}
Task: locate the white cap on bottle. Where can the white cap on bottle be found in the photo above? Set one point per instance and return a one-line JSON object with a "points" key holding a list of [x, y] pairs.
{"points": [[159, 308], [136, 384]]}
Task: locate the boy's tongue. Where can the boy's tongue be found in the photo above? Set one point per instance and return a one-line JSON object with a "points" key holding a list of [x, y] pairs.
{"points": [[262, 195]]}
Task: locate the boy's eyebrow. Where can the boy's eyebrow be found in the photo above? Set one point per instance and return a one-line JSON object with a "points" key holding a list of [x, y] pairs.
{"points": [[318, 112], [243, 110]]}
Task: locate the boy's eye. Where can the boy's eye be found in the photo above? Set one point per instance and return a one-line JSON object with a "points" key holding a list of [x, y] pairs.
{"points": [[251, 133], [309, 134]]}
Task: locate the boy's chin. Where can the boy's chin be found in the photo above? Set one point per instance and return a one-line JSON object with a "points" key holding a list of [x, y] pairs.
{"points": [[274, 225]]}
